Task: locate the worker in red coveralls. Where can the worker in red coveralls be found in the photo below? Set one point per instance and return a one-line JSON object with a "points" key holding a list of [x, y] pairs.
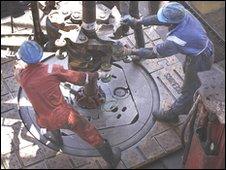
{"points": [[41, 83]]}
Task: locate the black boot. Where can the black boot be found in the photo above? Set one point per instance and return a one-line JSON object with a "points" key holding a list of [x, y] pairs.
{"points": [[56, 138], [111, 157], [166, 116], [181, 106]]}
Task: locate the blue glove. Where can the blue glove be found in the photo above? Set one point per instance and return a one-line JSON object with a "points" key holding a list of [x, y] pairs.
{"points": [[144, 53], [130, 21]]}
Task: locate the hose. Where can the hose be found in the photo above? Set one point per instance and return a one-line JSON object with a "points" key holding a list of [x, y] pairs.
{"points": [[191, 118]]}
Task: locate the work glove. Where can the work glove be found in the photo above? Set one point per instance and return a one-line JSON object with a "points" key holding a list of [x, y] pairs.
{"points": [[18, 67], [120, 50], [143, 53], [117, 48], [130, 21]]}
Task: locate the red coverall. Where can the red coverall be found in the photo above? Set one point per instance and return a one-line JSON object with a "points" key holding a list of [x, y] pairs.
{"points": [[41, 84]]}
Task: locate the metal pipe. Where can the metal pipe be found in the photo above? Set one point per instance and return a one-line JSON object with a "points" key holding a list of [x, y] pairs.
{"points": [[190, 120], [138, 32], [124, 7], [89, 15], [49, 6], [153, 7], [90, 97], [38, 34], [91, 89], [11, 22], [88, 23]]}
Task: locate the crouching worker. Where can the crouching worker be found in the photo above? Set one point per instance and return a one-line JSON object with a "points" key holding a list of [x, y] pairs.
{"points": [[187, 36], [41, 82]]}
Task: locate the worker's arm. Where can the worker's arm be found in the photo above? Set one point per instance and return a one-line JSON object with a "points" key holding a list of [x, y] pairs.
{"points": [[144, 53], [146, 21], [167, 48], [17, 69], [74, 77], [150, 20]]}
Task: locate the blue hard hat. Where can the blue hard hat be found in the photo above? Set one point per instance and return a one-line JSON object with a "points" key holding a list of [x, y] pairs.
{"points": [[30, 52], [171, 13]]}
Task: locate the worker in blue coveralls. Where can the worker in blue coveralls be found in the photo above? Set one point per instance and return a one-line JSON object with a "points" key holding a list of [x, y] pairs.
{"points": [[186, 36]]}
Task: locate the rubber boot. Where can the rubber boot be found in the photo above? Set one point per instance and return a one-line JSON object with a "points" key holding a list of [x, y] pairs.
{"points": [[57, 138], [181, 106], [112, 157]]}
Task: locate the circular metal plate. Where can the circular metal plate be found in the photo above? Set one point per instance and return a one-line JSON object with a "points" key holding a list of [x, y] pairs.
{"points": [[121, 92], [126, 117]]}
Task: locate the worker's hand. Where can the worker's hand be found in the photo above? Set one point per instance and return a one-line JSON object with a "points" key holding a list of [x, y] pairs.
{"points": [[144, 53], [136, 58], [118, 45], [127, 50], [120, 50], [130, 21], [18, 67]]}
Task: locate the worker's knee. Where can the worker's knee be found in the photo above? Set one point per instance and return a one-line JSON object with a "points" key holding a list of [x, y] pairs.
{"points": [[76, 121], [84, 129], [204, 63], [95, 139]]}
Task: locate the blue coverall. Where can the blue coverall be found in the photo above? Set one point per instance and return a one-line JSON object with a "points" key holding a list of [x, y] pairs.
{"points": [[188, 38]]}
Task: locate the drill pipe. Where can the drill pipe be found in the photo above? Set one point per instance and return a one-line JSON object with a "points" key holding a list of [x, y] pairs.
{"points": [[38, 34], [138, 32]]}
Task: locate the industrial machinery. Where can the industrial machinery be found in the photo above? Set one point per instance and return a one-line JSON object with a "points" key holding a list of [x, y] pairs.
{"points": [[87, 44], [82, 34], [87, 36]]}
